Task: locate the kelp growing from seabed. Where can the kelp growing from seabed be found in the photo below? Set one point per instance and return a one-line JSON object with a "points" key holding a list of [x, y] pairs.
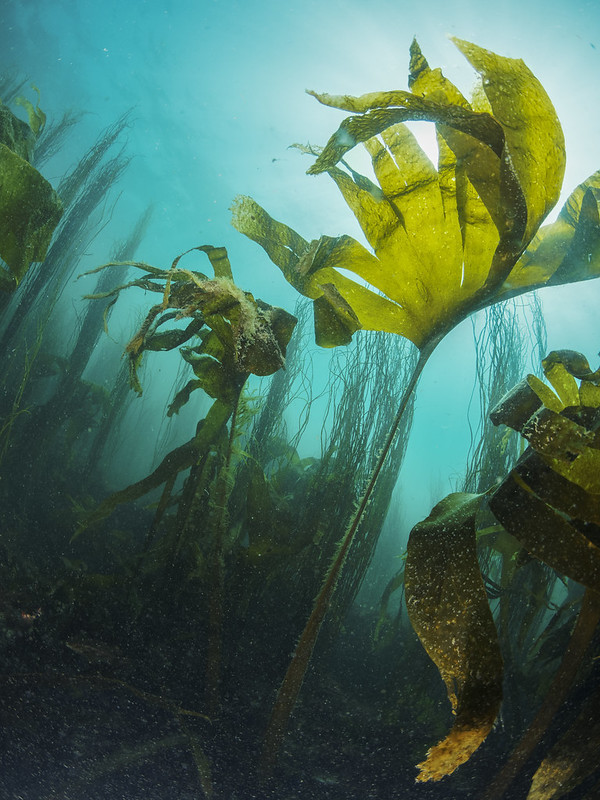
{"points": [[445, 242], [238, 336], [548, 505]]}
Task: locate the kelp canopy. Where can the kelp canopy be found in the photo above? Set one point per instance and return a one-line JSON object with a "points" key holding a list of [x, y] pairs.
{"points": [[447, 241]]}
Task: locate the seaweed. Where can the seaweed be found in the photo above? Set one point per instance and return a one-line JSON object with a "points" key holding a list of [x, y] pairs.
{"points": [[238, 336], [549, 503], [30, 209], [446, 242]]}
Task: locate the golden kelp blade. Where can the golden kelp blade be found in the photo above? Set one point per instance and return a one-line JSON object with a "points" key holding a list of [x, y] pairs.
{"points": [[534, 139], [448, 608], [445, 241], [342, 306], [566, 251]]}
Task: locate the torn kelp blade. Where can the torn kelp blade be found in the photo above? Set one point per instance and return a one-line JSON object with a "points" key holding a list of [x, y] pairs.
{"points": [[448, 608]]}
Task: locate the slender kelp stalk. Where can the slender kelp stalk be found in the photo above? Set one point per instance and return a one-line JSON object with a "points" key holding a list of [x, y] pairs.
{"points": [[217, 571], [292, 682]]}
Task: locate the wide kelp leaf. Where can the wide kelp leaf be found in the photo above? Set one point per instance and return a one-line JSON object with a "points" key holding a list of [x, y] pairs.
{"points": [[16, 134], [565, 251], [448, 608], [30, 210]]}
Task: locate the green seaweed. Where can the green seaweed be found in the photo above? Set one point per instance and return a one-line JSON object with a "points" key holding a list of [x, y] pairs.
{"points": [[238, 336], [30, 209]]}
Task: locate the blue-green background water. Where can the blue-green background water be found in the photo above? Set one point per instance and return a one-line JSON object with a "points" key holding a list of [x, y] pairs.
{"points": [[217, 93]]}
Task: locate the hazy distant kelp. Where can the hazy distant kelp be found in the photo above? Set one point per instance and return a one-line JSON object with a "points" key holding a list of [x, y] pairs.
{"points": [[25, 340], [446, 242]]}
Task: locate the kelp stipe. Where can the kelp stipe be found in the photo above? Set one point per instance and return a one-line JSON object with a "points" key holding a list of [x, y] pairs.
{"points": [[445, 242], [292, 682]]}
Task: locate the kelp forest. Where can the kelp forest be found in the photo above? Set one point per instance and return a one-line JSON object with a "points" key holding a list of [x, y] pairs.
{"points": [[198, 632]]}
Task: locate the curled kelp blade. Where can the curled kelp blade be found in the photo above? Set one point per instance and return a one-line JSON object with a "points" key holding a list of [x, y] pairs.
{"points": [[239, 334], [545, 531], [551, 500], [448, 608]]}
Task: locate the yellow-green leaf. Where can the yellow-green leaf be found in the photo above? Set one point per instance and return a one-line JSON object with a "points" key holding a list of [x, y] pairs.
{"points": [[565, 251], [534, 139], [29, 212], [446, 241]]}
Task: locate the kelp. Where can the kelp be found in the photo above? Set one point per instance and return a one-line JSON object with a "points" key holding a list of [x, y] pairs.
{"points": [[448, 609], [449, 241], [444, 242], [585, 628], [572, 759], [508, 334], [549, 504], [238, 336], [30, 209]]}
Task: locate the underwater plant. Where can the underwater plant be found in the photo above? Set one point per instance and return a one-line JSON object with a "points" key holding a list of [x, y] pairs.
{"points": [[547, 504], [237, 336], [30, 209], [446, 241], [28, 320]]}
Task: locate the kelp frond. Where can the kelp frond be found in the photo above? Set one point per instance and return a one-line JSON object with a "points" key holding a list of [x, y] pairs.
{"points": [[549, 503]]}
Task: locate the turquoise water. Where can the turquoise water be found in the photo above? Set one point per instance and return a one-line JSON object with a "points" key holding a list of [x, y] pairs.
{"points": [[214, 94]]}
